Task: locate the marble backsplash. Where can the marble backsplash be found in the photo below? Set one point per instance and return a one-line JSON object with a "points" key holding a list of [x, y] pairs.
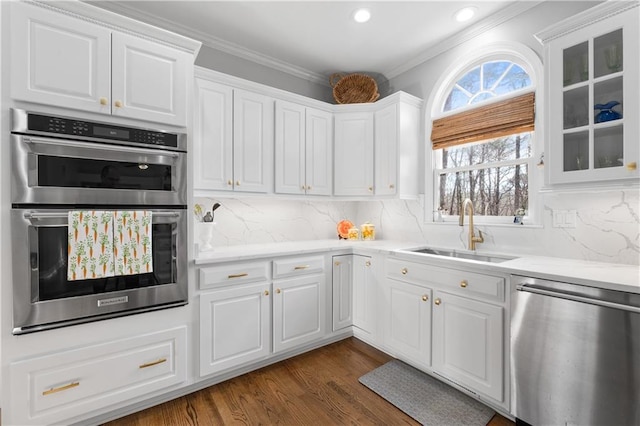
{"points": [[607, 226]]}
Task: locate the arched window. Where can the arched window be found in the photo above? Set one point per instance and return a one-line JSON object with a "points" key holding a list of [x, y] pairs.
{"points": [[483, 138]]}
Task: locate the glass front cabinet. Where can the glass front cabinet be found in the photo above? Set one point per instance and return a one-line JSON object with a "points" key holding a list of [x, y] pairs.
{"points": [[592, 114]]}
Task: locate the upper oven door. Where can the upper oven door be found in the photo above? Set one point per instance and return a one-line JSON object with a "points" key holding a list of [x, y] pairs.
{"points": [[61, 171]]}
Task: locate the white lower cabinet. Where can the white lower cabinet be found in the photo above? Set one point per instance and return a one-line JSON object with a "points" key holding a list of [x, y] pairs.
{"points": [[342, 291], [408, 321], [364, 293], [75, 383], [468, 343], [298, 311], [235, 327]]}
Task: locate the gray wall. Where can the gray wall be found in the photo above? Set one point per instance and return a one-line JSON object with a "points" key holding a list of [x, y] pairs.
{"points": [[226, 63]]}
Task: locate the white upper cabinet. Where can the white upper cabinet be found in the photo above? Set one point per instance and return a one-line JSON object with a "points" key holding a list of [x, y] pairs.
{"points": [[67, 62], [252, 142], [59, 60], [149, 80], [213, 135], [353, 159], [303, 141], [386, 150], [592, 70]]}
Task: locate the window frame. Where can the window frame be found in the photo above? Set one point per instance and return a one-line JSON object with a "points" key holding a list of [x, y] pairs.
{"points": [[530, 62]]}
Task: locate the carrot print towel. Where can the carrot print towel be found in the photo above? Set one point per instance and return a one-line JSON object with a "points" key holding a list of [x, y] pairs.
{"points": [[132, 242], [90, 245]]}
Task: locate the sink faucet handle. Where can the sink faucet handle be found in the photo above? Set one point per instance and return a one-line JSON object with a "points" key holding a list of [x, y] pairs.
{"points": [[479, 238]]}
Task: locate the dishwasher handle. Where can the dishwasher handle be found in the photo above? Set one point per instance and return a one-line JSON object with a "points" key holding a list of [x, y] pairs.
{"points": [[576, 298]]}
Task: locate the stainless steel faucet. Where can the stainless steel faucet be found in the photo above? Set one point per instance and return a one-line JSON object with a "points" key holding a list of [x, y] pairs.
{"points": [[468, 205]]}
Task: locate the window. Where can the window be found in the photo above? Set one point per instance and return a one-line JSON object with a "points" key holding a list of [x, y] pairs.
{"points": [[483, 139]]}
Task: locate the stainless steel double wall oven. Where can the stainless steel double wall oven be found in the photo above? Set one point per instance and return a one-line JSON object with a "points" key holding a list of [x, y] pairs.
{"points": [[61, 164]]}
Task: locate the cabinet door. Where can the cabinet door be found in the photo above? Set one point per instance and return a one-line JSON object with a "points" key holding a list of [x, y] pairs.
{"points": [[363, 294], [468, 343], [252, 142], [298, 311], [213, 136], [353, 154], [386, 156], [234, 327], [408, 321], [149, 80], [594, 106], [290, 148], [342, 291], [319, 152], [59, 60]]}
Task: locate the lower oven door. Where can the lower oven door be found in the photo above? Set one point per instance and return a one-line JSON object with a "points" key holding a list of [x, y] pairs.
{"points": [[43, 298]]}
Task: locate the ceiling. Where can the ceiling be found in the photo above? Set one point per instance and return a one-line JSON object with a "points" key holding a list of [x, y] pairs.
{"points": [[313, 39]]}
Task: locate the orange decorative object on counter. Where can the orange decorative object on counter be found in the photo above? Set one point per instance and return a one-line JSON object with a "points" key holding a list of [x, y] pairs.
{"points": [[343, 229]]}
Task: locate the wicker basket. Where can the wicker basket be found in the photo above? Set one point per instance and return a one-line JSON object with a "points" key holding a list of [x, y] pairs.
{"points": [[353, 88]]}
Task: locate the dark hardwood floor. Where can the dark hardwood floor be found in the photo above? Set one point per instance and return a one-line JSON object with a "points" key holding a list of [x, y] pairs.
{"points": [[316, 388]]}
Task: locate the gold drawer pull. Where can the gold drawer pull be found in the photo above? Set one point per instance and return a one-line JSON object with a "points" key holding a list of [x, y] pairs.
{"points": [[266, 292], [61, 388], [367, 263], [404, 271], [425, 298], [632, 166], [244, 274], [104, 101], [336, 263], [151, 364], [278, 291], [301, 267], [437, 301], [118, 104], [464, 283]]}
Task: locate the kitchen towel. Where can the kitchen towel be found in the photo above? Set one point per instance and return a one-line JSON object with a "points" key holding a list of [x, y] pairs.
{"points": [[132, 242], [90, 245]]}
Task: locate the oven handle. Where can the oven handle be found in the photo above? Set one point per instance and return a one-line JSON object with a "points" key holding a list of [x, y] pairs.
{"points": [[119, 148], [57, 215], [575, 298]]}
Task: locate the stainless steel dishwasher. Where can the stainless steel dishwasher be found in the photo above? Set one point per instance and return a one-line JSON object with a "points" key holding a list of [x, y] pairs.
{"points": [[575, 354]]}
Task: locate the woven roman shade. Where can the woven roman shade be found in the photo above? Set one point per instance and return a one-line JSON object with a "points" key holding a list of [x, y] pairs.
{"points": [[506, 117]]}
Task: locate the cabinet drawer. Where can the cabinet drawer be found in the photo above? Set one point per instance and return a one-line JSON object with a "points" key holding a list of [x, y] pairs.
{"points": [[237, 273], [53, 388], [298, 266], [468, 283]]}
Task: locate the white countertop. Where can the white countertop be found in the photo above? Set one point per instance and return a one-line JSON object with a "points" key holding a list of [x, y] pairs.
{"points": [[612, 276]]}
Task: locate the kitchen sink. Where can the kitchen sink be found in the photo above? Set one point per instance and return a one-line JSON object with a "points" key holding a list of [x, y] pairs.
{"points": [[463, 255]]}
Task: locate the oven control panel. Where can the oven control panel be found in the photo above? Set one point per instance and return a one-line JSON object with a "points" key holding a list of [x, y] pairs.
{"points": [[79, 128]]}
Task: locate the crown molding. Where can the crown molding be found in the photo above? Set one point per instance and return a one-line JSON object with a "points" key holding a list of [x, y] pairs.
{"points": [[475, 30], [585, 18]]}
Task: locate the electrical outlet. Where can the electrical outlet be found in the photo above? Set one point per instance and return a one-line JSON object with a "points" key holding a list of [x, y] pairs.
{"points": [[564, 218]]}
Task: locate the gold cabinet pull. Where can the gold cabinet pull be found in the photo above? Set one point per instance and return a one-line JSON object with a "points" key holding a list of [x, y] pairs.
{"points": [[464, 283], [104, 101], [266, 292], [244, 274], [437, 301], [367, 263], [391, 186], [229, 182], [632, 166], [61, 388], [336, 263], [308, 187], [301, 267], [118, 104], [151, 364], [278, 291], [425, 298], [371, 189], [404, 271], [237, 183]]}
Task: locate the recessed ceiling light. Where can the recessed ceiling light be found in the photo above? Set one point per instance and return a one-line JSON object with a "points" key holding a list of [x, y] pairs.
{"points": [[465, 14], [361, 15]]}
